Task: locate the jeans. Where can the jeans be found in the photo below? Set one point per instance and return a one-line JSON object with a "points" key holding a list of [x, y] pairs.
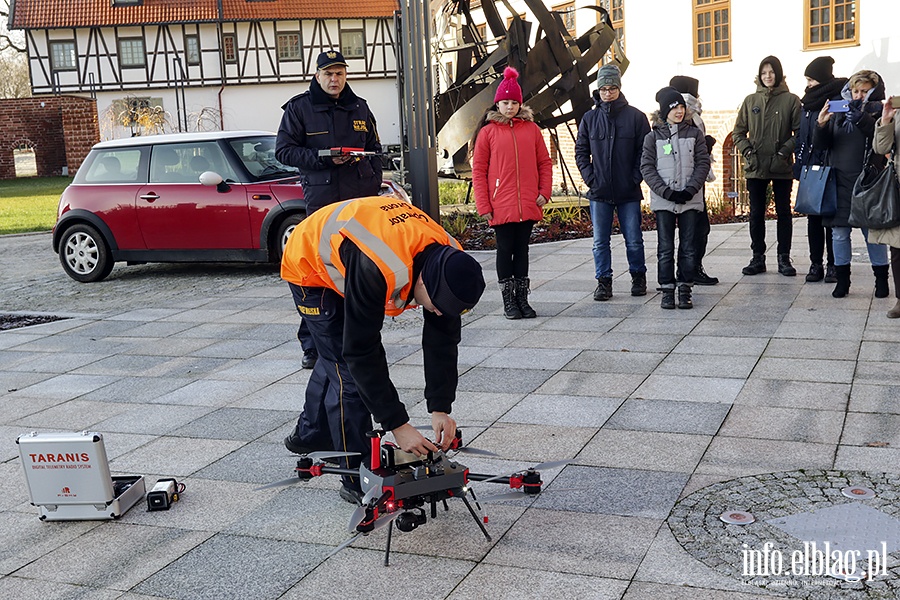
{"points": [[843, 249], [781, 189], [701, 236], [665, 249], [512, 249], [630, 225]]}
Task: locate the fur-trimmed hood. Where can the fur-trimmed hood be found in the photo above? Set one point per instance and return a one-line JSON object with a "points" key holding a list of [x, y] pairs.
{"points": [[525, 113]]}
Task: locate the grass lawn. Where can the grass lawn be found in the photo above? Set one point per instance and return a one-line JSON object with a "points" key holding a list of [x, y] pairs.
{"points": [[29, 203]]}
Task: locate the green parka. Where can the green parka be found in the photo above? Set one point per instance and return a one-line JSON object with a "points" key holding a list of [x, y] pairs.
{"points": [[764, 132]]}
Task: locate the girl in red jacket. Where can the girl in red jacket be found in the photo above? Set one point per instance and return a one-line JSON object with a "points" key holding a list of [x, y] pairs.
{"points": [[511, 177]]}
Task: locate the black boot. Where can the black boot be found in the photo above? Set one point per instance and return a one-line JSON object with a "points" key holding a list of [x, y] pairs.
{"points": [[604, 289], [842, 273], [701, 278], [881, 281], [667, 300], [508, 290], [816, 273], [830, 275], [522, 284], [757, 265], [684, 296], [785, 267], [638, 284]]}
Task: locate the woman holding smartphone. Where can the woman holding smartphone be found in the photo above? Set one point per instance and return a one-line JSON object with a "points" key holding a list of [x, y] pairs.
{"points": [[848, 136]]}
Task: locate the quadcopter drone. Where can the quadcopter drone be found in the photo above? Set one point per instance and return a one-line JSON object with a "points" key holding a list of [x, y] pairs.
{"points": [[398, 485]]}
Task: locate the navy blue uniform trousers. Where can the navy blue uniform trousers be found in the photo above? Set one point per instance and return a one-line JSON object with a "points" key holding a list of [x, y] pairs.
{"points": [[334, 415]]}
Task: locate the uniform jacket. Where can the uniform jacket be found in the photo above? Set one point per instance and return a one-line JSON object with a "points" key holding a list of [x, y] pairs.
{"points": [[608, 150], [675, 157], [886, 135], [765, 127], [350, 258], [510, 167], [810, 105], [848, 138], [313, 121]]}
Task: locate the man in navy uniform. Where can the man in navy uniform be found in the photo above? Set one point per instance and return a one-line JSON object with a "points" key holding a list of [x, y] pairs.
{"points": [[328, 115]]}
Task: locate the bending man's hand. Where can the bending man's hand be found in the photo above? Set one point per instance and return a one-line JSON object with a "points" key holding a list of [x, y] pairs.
{"points": [[444, 429], [410, 440]]}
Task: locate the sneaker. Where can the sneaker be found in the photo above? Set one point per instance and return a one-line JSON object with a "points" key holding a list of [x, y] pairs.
{"points": [[701, 278], [309, 358], [816, 273], [830, 274], [351, 495]]}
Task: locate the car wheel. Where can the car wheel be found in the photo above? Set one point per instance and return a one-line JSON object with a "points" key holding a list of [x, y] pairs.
{"points": [[285, 231], [84, 255]]}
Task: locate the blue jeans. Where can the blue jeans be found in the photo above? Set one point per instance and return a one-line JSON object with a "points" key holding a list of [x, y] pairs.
{"points": [[843, 249], [665, 251], [630, 225]]}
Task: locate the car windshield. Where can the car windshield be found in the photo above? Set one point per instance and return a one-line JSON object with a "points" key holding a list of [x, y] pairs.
{"points": [[258, 156]]}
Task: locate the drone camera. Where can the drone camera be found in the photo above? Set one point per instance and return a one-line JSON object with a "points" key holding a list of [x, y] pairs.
{"points": [[410, 520], [163, 494]]}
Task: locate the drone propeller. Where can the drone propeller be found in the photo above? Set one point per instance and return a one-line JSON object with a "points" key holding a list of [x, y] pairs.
{"points": [[326, 454], [470, 450], [287, 481], [380, 523]]}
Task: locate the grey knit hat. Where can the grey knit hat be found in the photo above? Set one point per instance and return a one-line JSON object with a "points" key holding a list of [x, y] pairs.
{"points": [[609, 75]]}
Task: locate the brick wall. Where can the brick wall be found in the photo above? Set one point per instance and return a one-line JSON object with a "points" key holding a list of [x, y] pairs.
{"points": [[60, 129], [718, 124]]}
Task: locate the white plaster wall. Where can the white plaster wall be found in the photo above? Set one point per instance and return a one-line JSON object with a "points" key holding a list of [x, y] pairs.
{"points": [[759, 28]]}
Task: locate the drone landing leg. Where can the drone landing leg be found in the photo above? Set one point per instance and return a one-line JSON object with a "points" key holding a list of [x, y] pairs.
{"points": [[477, 520], [446, 508], [387, 548], [433, 507]]}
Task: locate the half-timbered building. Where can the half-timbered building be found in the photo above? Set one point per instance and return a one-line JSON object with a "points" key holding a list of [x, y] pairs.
{"points": [[205, 64]]}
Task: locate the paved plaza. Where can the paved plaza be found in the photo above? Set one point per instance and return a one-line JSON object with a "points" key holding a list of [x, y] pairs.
{"points": [[770, 397]]}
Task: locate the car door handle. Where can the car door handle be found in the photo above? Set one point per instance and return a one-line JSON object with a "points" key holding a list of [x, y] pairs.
{"points": [[150, 197]]}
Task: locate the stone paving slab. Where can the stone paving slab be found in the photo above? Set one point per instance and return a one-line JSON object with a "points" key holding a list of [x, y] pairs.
{"points": [[192, 371]]}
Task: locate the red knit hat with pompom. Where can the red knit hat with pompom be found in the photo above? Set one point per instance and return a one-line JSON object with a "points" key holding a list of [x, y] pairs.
{"points": [[509, 88]]}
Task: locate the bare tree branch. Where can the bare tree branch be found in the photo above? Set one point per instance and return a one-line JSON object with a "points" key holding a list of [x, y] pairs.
{"points": [[10, 40]]}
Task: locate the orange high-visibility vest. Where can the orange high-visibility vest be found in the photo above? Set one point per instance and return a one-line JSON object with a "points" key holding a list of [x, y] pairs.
{"points": [[389, 231]]}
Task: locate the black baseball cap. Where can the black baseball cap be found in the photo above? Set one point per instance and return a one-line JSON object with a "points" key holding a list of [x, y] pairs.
{"points": [[330, 58]]}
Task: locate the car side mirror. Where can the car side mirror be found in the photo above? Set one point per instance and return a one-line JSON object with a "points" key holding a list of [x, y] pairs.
{"points": [[211, 178]]}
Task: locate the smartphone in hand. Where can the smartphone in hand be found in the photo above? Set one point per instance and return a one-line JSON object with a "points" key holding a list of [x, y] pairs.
{"points": [[895, 101], [838, 106]]}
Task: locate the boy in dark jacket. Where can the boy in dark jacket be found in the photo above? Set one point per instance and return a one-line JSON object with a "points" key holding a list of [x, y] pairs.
{"points": [[608, 154], [675, 163]]}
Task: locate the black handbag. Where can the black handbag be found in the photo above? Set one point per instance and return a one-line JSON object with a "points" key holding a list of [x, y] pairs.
{"points": [[875, 201], [816, 192]]}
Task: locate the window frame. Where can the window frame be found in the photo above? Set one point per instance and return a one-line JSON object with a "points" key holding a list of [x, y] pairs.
{"points": [[565, 10], [711, 7], [618, 25], [362, 39], [233, 38], [831, 43], [73, 55], [127, 41], [278, 46], [188, 38]]}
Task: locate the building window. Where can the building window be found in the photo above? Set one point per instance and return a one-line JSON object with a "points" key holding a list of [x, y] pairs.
{"points": [[62, 56], [712, 30], [192, 49], [353, 43], [288, 46], [131, 53], [567, 13], [229, 43], [829, 23], [616, 10]]}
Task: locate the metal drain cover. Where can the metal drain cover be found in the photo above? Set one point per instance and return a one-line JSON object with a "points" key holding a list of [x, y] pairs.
{"points": [[850, 526]]}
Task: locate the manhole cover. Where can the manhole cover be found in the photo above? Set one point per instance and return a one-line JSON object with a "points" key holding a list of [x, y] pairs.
{"points": [[797, 513]]}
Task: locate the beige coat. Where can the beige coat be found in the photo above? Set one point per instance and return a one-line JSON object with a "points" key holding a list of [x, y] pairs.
{"points": [[886, 135]]}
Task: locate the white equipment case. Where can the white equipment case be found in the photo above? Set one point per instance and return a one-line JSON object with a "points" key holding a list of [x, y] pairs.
{"points": [[68, 477]]}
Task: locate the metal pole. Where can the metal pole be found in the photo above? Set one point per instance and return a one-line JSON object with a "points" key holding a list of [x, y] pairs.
{"points": [[418, 100]]}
